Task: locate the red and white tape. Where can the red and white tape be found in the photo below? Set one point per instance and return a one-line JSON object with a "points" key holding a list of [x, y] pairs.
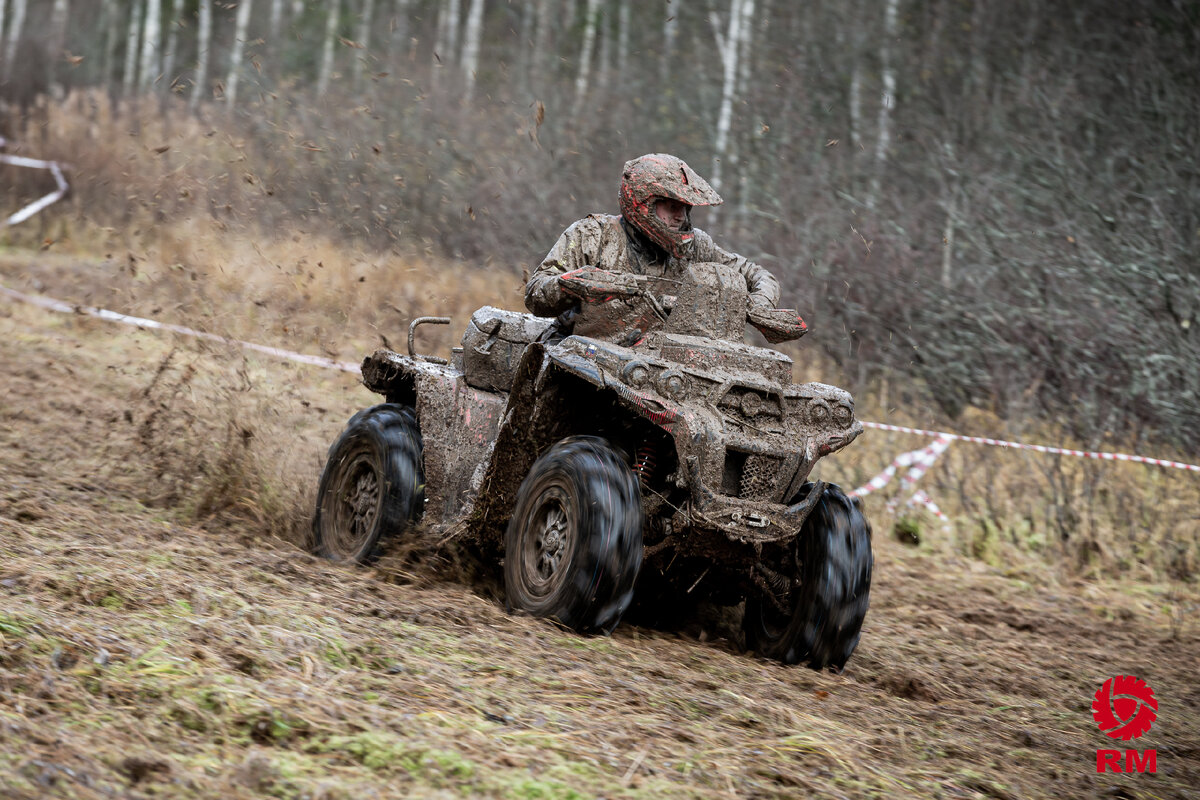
{"points": [[918, 462], [37, 205], [1038, 448], [139, 322]]}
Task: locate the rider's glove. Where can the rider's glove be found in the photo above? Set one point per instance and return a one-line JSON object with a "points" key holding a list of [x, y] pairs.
{"points": [[596, 285], [760, 302]]}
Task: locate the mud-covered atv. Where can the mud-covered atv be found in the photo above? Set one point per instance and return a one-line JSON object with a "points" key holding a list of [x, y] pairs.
{"points": [[673, 463]]}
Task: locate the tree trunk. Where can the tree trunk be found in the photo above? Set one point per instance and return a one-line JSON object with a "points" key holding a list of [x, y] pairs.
{"points": [[364, 39], [470, 57], [239, 46], [541, 46], [14, 34], [112, 32], [585, 55], [446, 39], [132, 39], [331, 28], [274, 22], [172, 49], [203, 43], [669, 34], [399, 42], [622, 37], [728, 47], [58, 38], [604, 62], [888, 98], [855, 106], [151, 42]]}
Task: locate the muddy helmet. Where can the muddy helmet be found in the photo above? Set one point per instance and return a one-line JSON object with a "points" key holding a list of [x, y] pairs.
{"points": [[650, 177]]}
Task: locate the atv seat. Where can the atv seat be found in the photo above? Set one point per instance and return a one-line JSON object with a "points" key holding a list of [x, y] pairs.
{"points": [[493, 344]]}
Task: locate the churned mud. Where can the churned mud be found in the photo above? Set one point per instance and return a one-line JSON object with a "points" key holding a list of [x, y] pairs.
{"points": [[157, 640]]}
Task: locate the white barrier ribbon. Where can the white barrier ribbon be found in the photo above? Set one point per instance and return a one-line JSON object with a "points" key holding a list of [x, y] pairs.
{"points": [[37, 205], [1039, 448], [139, 322]]}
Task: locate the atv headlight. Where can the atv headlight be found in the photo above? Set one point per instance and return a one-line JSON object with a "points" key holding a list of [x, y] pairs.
{"points": [[672, 385], [751, 404], [636, 374], [842, 415]]}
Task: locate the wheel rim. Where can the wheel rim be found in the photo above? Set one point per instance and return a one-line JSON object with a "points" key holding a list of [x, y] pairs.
{"points": [[356, 498], [548, 543]]}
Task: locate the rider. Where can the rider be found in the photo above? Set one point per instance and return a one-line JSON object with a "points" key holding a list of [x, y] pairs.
{"points": [[653, 236]]}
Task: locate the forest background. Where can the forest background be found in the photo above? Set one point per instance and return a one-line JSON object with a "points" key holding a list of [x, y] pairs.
{"points": [[976, 205]]}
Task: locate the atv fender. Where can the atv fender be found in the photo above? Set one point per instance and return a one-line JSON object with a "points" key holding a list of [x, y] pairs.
{"points": [[458, 424]]}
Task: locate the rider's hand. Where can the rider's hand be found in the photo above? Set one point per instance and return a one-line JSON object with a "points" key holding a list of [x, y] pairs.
{"points": [[595, 285]]}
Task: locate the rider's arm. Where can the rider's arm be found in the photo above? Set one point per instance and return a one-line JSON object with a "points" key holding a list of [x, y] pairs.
{"points": [[763, 288], [543, 294]]}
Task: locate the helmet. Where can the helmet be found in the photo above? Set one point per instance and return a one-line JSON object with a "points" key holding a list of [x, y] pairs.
{"points": [[659, 175]]}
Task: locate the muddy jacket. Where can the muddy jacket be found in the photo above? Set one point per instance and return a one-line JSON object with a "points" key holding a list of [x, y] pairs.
{"points": [[607, 242]]}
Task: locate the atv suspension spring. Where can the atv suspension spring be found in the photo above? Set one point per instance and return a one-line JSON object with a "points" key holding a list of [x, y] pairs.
{"points": [[644, 463]]}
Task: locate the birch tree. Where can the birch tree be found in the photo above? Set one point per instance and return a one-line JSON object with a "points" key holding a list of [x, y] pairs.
{"points": [[172, 47], [669, 34], [445, 41], [112, 33], [58, 38], [363, 41], [241, 26], [887, 99], [151, 37], [622, 36], [541, 44], [399, 46], [274, 20], [585, 54], [331, 27], [471, 37], [203, 44], [132, 41], [15, 26], [728, 45]]}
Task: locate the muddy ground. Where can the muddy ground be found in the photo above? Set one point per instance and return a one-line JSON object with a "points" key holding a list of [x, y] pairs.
{"points": [[145, 654]]}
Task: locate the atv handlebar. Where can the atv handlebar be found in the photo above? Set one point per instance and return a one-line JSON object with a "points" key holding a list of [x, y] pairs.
{"points": [[595, 285]]}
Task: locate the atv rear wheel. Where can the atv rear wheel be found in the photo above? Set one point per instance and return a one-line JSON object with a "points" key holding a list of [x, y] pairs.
{"points": [[821, 616], [373, 485], [574, 544]]}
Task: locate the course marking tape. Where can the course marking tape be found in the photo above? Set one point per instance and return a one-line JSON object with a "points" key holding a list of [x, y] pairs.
{"points": [[1038, 448], [37, 205], [905, 459], [139, 322]]}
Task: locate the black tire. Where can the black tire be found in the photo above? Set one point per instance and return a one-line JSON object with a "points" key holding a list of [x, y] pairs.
{"points": [[373, 485], [831, 559], [574, 544]]}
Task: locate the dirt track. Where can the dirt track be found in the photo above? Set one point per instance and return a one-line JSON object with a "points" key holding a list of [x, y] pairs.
{"points": [[143, 657]]}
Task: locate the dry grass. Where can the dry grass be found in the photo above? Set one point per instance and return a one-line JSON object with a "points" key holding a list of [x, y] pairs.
{"points": [[142, 655]]}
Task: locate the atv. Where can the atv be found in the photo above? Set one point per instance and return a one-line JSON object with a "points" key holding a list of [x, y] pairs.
{"points": [[641, 448]]}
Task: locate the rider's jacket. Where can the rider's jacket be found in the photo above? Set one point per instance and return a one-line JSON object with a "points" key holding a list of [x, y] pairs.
{"points": [[608, 242]]}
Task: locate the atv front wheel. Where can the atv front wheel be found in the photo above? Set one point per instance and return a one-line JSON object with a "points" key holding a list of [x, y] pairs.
{"points": [[574, 544], [830, 582], [373, 485]]}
